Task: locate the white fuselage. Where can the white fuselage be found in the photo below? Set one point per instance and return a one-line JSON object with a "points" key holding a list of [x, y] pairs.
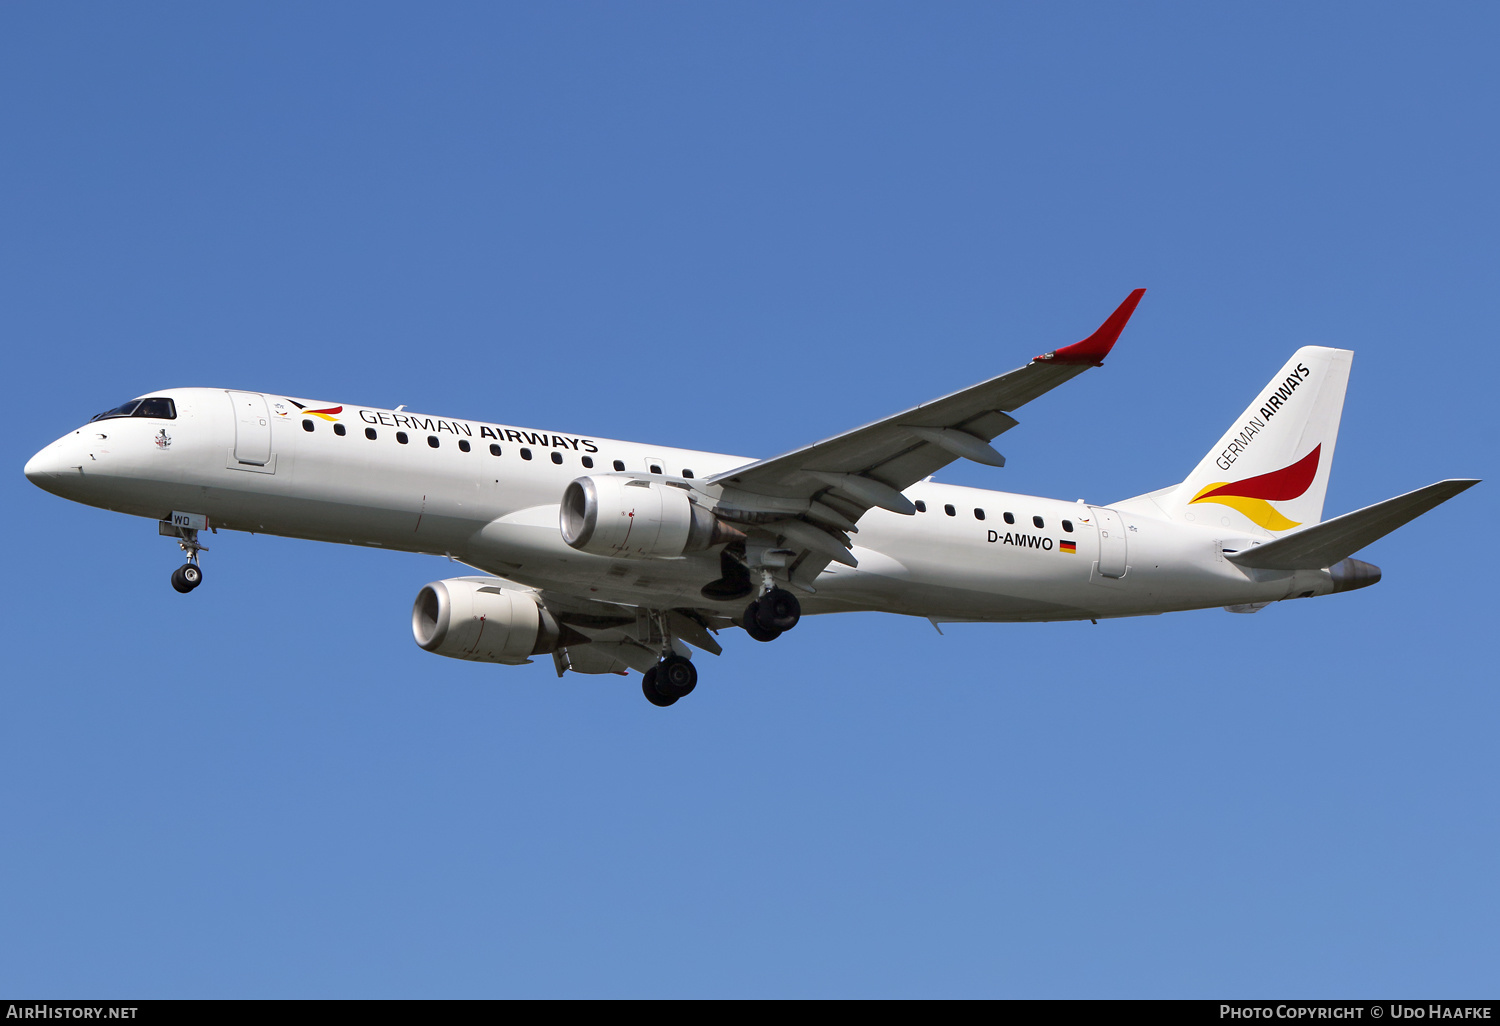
{"points": [[500, 513]]}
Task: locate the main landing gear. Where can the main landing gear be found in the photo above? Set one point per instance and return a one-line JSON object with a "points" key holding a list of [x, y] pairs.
{"points": [[766, 619], [667, 681], [774, 613], [674, 676]]}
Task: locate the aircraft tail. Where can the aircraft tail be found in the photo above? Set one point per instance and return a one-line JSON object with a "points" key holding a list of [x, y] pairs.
{"points": [[1270, 470]]}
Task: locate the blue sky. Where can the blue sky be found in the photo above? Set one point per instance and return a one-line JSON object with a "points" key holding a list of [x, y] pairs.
{"points": [[742, 228]]}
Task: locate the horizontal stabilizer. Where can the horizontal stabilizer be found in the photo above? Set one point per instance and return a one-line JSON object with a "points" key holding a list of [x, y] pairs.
{"points": [[1322, 545]]}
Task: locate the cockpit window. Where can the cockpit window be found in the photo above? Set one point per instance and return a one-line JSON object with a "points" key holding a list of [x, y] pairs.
{"points": [[156, 409], [124, 410]]}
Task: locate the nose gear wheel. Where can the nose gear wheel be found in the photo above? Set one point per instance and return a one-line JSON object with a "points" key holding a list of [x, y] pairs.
{"points": [[187, 577]]}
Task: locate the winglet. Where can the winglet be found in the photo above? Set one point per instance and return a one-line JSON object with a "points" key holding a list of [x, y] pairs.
{"points": [[1092, 350]]}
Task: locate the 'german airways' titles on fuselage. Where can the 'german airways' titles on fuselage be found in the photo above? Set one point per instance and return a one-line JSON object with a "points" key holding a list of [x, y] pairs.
{"points": [[437, 425]]}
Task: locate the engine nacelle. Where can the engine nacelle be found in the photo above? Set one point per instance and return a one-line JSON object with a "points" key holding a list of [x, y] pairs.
{"points": [[637, 518], [475, 618]]}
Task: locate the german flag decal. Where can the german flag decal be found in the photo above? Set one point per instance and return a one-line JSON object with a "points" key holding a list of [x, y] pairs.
{"points": [[1069, 547]]}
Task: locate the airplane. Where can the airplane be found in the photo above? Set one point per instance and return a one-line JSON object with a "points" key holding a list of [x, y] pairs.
{"points": [[614, 556]]}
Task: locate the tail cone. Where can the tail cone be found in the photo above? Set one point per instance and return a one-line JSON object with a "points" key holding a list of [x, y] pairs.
{"points": [[1349, 574]]}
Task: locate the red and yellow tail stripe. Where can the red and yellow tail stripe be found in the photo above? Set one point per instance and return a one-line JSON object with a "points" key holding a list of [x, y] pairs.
{"points": [[1253, 496]]}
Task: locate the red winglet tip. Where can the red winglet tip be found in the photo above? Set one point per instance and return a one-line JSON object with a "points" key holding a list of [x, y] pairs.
{"points": [[1096, 347]]}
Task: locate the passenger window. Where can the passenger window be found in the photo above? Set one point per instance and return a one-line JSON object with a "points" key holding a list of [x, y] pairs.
{"points": [[494, 449], [307, 425], [688, 474], [655, 469], [1038, 521], [978, 513], [556, 456], [340, 430], [588, 463], [619, 464], [1010, 518], [1068, 526], [401, 437], [921, 506], [463, 445], [525, 454], [432, 441], [370, 434], [948, 509]]}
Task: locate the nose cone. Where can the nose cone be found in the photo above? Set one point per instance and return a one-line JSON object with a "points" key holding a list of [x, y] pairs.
{"points": [[43, 464], [47, 468]]}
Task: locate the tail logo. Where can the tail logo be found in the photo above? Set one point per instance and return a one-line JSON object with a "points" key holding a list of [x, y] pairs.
{"points": [[1253, 496], [328, 413]]}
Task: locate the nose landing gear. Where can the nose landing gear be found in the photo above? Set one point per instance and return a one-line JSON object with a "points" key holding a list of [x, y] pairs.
{"points": [[189, 575]]}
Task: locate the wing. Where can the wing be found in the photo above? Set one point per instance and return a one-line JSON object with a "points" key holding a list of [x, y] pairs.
{"points": [[830, 485]]}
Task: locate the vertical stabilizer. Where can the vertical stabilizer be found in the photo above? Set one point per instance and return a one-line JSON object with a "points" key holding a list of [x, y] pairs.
{"points": [[1270, 470]]}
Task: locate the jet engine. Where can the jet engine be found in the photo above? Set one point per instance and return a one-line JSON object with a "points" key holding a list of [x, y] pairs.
{"points": [[637, 518], [476, 618]]}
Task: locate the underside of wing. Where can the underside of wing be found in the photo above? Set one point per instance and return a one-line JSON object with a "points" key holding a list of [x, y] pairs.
{"points": [[595, 635], [609, 637]]}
